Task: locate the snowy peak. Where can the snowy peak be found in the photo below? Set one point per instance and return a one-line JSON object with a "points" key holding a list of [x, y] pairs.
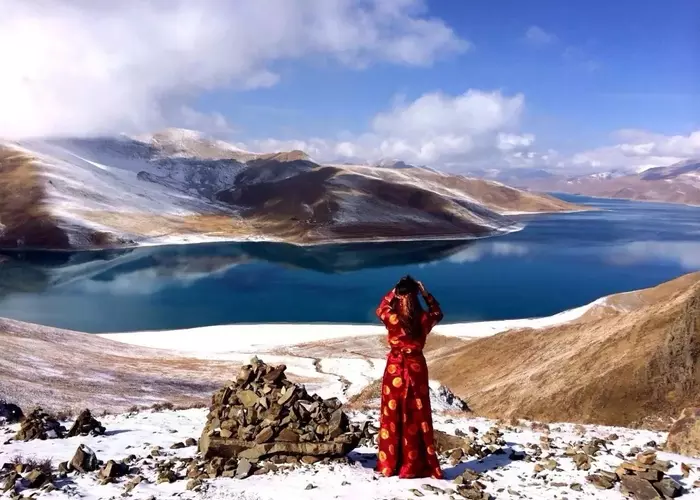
{"points": [[185, 143]]}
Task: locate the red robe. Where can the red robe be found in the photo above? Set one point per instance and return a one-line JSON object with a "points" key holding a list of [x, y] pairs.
{"points": [[406, 445]]}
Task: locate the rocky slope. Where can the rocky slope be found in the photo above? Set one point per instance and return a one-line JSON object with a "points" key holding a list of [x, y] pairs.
{"points": [[679, 183], [178, 186], [634, 359]]}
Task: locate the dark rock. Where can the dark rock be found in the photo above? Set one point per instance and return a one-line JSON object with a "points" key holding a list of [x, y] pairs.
{"points": [[114, 469], [84, 460], [177, 446], [167, 476], [600, 482], [640, 488], [10, 413], [669, 487], [36, 479], [85, 425], [190, 442]]}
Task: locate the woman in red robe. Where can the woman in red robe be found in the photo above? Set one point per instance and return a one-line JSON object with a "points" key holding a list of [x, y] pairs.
{"points": [[406, 445]]}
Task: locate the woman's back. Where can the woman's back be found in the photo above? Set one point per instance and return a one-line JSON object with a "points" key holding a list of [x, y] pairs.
{"points": [[406, 442]]}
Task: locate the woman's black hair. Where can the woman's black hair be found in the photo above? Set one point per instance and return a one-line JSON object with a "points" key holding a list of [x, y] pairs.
{"points": [[406, 286]]}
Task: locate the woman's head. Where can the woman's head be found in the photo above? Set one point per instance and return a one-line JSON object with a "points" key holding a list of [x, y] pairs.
{"points": [[406, 286], [407, 306]]}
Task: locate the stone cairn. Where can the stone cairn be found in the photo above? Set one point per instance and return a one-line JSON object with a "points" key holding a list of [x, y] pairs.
{"points": [[643, 478], [40, 425], [86, 425], [263, 416]]}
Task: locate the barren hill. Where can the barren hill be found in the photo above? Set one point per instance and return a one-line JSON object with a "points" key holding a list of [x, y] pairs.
{"points": [[177, 186], [635, 359], [679, 183]]}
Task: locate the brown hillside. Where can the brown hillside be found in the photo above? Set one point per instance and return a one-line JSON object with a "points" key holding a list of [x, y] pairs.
{"points": [[323, 203], [24, 218], [620, 368]]}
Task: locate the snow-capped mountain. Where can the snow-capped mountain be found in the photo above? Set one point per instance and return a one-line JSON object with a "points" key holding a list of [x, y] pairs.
{"points": [[678, 183], [179, 185]]}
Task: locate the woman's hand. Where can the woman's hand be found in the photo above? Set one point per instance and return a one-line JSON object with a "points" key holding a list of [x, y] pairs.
{"points": [[421, 287]]}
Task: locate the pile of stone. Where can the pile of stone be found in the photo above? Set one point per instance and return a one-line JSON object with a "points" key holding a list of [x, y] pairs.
{"points": [[40, 425], [86, 425], [470, 485], [262, 415], [644, 478]]}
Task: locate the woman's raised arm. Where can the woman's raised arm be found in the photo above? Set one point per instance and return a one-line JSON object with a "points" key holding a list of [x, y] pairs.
{"points": [[384, 311], [434, 315]]}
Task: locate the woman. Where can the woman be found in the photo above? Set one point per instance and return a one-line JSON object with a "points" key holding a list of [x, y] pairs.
{"points": [[406, 442]]}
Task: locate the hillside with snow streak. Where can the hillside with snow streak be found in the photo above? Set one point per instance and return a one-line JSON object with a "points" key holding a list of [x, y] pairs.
{"points": [[178, 186]]}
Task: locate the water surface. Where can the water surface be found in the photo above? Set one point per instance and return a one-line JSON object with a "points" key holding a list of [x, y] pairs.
{"points": [[557, 262]]}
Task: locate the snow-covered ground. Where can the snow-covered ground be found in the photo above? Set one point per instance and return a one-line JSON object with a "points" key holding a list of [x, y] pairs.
{"points": [[137, 434], [251, 338]]}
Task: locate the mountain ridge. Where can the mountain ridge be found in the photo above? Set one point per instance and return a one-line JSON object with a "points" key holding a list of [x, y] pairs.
{"points": [[179, 187]]}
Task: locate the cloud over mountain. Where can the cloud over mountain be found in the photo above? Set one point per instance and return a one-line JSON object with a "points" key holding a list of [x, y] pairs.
{"points": [[97, 67]]}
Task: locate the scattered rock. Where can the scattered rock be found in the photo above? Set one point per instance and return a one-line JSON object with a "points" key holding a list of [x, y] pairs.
{"points": [[194, 484], [669, 487], [177, 446], [10, 481], [685, 470], [190, 442], [86, 425], [550, 464], [167, 476], [576, 486], [133, 483], [600, 482], [244, 469], [37, 479], [84, 460], [113, 470], [310, 486]]}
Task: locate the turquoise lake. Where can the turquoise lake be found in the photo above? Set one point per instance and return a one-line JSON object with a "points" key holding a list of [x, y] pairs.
{"points": [[557, 262]]}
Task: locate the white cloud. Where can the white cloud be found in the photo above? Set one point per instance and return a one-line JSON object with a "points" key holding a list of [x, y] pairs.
{"points": [[87, 67], [639, 151], [435, 129], [537, 37]]}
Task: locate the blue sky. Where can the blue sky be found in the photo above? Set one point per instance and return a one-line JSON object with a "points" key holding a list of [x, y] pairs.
{"points": [[612, 65], [453, 83]]}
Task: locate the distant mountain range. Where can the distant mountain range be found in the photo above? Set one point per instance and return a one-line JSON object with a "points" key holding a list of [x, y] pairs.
{"points": [[679, 183], [179, 186]]}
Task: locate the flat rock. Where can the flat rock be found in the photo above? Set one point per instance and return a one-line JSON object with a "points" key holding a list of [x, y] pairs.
{"points": [[600, 482], [640, 488]]}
